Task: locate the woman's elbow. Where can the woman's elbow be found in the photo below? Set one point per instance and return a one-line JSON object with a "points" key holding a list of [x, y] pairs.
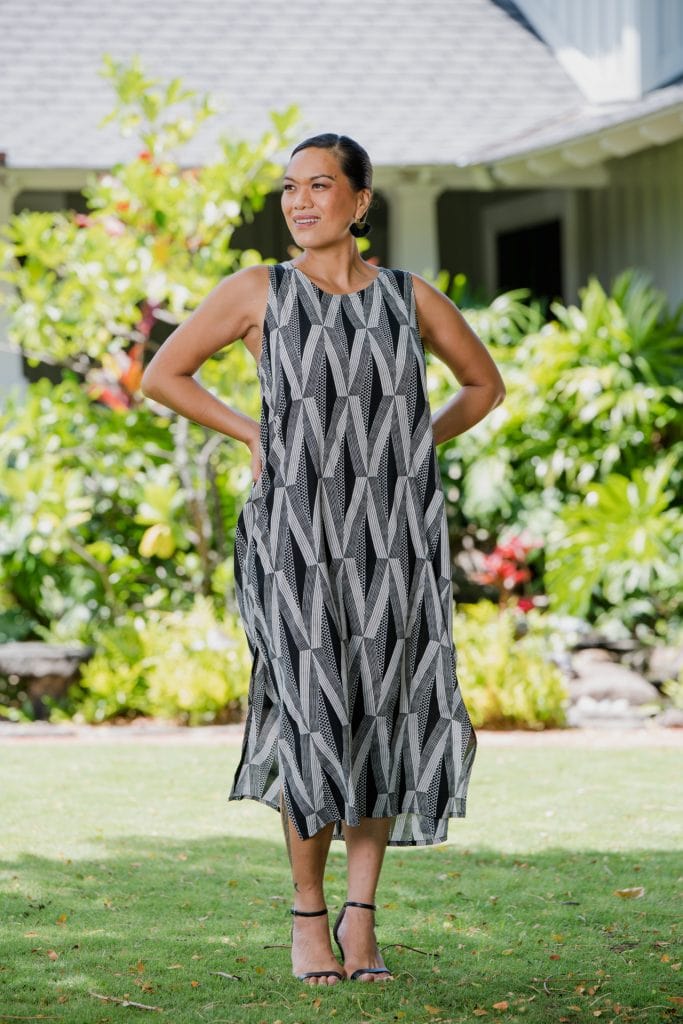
{"points": [[149, 385]]}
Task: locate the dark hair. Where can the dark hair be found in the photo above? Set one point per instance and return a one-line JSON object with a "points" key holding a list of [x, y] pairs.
{"points": [[353, 160]]}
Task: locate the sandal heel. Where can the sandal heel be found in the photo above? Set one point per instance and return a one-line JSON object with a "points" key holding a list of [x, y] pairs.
{"points": [[335, 930]]}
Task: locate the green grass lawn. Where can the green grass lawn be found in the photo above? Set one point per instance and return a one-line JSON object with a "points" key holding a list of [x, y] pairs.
{"points": [[125, 872]]}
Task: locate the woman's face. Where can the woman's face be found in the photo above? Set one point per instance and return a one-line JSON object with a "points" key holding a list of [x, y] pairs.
{"points": [[318, 201]]}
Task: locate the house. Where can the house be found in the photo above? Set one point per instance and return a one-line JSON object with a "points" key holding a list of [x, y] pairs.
{"points": [[522, 144]]}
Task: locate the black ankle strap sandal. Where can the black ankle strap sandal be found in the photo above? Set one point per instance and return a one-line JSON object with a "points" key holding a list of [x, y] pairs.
{"points": [[361, 970], [313, 974]]}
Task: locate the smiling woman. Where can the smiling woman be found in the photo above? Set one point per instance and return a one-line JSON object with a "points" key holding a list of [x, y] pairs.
{"points": [[356, 727]]}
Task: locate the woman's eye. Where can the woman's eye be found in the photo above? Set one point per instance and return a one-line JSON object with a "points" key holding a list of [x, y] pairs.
{"points": [[321, 184]]}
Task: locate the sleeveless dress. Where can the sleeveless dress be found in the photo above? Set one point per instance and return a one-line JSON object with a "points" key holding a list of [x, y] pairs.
{"points": [[343, 572]]}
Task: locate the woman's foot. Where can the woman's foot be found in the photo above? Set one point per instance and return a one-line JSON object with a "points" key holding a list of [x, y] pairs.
{"points": [[312, 950], [356, 933]]}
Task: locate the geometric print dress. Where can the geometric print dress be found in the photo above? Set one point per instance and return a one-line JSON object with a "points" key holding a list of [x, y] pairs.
{"points": [[343, 572]]}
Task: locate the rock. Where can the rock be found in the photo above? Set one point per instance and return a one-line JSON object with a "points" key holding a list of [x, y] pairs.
{"points": [[41, 670], [665, 663], [672, 718], [584, 659], [601, 678], [605, 714], [34, 659]]}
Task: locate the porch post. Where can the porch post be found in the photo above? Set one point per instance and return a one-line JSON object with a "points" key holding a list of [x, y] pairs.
{"points": [[413, 227]]}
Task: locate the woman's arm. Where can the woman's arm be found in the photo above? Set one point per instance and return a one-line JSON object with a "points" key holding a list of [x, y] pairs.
{"points": [[446, 333], [235, 308]]}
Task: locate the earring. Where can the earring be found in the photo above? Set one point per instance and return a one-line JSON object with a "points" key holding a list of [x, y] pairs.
{"points": [[360, 229]]}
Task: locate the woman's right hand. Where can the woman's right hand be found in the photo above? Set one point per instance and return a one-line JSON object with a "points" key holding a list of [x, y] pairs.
{"points": [[255, 449]]}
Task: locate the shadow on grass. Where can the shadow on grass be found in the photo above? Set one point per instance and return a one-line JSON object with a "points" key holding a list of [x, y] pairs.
{"points": [[150, 920]]}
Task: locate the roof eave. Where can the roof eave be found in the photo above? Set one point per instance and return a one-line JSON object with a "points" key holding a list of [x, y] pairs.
{"points": [[579, 160]]}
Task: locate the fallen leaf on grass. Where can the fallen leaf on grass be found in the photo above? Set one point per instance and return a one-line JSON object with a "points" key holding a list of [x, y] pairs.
{"points": [[52, 955], [633, 893], [501, 1006], [224, 974]]}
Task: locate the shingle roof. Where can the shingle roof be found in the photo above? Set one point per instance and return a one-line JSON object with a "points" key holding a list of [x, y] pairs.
{"points": [[415, 83], [586, 120]]}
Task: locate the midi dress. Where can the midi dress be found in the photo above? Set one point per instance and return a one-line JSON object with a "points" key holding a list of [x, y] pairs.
{"points": [[342, 572]]}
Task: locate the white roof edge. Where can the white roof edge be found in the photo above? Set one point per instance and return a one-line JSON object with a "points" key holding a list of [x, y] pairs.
{"points": [[593, 145]]}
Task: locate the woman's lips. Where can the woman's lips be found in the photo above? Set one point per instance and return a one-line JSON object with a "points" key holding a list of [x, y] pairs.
{"points": [[308, 223]]}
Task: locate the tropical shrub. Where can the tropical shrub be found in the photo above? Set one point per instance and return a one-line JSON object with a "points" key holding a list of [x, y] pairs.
{"points": [[594, 394], [107, 513], [111, 504], [505, 669], [188, 666]]}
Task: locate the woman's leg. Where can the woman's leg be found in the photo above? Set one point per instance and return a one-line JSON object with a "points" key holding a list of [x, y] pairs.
{"points": [[365, 847], [311, 946]]}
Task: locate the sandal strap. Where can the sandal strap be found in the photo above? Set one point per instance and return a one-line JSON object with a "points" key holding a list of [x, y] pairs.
{"points": [[308, 913], [354, 903], [369, 970]]}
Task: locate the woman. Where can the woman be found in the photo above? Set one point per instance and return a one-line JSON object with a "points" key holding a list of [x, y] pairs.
{"points": [[356, 728]]}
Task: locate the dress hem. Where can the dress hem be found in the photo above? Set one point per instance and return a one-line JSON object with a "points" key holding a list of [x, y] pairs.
{"points": [[460, 813]]}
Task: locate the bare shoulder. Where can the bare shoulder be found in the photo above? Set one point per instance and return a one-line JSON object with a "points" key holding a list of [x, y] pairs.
{"points": [[435, 311], [247, 289], [426, 294]]}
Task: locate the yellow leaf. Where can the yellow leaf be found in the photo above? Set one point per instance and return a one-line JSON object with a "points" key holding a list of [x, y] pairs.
{"points": [[557, 938], [173, 967], [501, 1006], [61, 919], [631, 894], [479, 1013], [157, 540], [507, 952], [432, 1009], [195, 984]]}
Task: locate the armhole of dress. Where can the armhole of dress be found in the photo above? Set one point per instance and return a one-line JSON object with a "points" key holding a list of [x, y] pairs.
{"points": [[411, 303], [265, 332]]}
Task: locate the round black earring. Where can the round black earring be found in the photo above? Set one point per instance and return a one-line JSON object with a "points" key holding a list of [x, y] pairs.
{"points": [[359, 229]]}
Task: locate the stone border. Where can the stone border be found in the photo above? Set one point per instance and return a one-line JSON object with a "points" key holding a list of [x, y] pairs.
{"points": [[616, 735]]}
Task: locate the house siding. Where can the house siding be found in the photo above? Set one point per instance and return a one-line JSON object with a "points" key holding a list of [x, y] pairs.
{"points": [[637, 220]]}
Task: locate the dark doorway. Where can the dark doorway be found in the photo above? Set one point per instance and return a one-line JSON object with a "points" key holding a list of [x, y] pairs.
{"points": [[531, 257]]}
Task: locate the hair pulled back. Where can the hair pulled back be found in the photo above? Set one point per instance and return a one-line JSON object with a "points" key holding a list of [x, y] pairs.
{"points": [[354, 162]]}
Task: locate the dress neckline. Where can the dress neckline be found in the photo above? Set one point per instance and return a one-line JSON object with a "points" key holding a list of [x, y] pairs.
{"points": [[359, 291]]}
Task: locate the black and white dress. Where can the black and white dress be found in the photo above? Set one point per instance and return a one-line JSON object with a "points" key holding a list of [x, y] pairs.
{"points": [[343, 573]]}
